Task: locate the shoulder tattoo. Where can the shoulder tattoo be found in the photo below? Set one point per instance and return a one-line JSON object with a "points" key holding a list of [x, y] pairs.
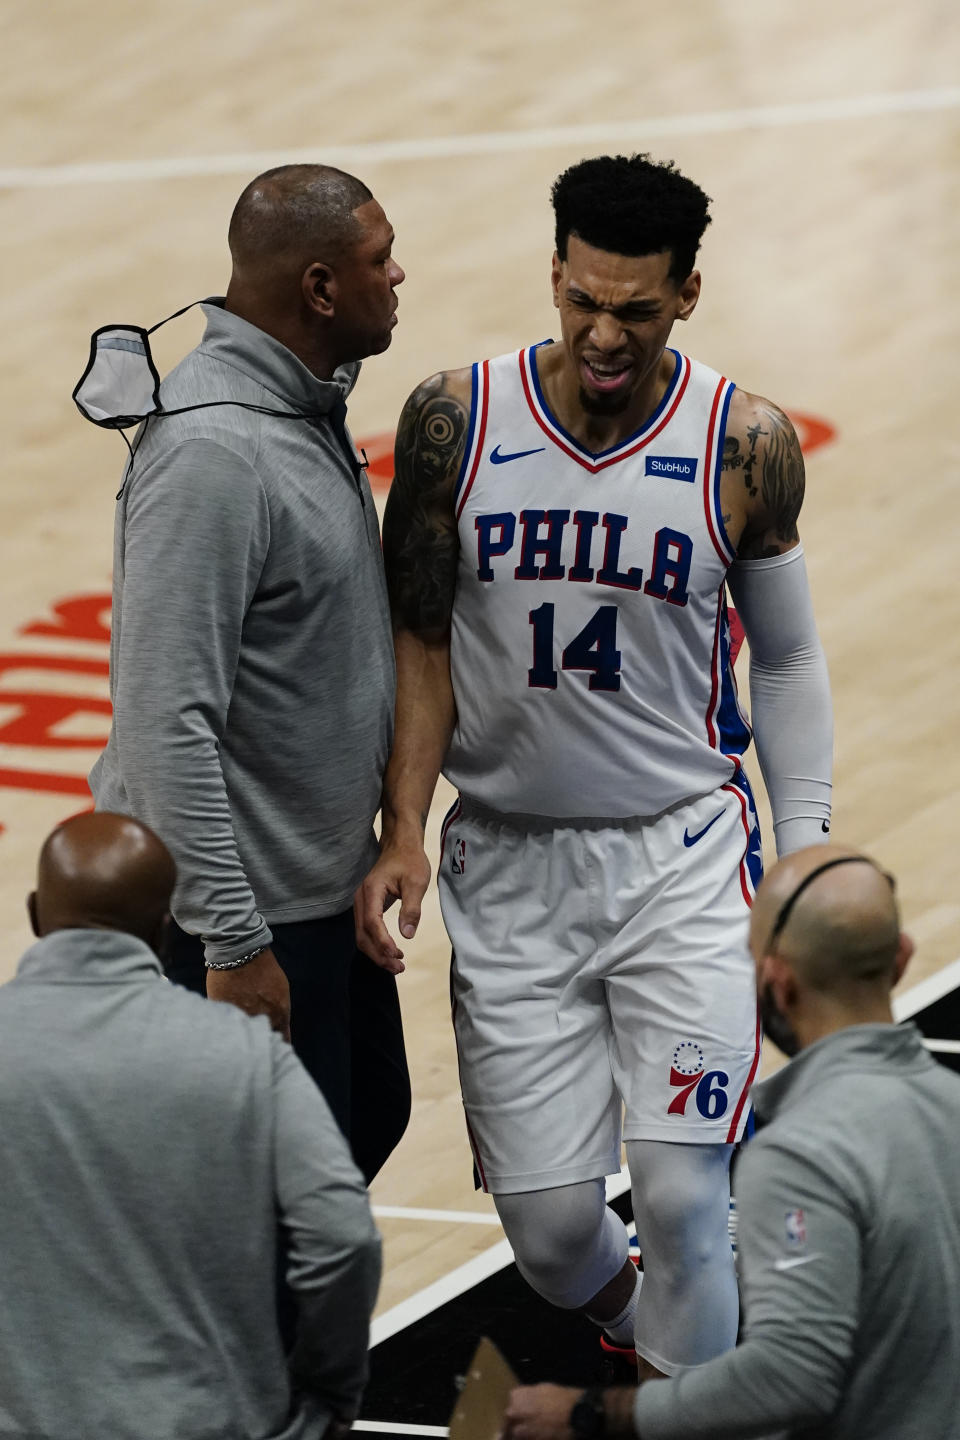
{"points": [[420, 543], [771, 464]]}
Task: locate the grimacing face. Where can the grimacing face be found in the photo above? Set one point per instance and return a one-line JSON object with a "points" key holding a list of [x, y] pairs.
{"points": [[367, 277], [616, 314]]}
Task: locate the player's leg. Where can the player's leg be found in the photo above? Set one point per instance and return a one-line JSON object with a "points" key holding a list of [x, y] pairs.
{"points": [[683, 1004], [533, 1038], [572, 1249], [689, 1308]]}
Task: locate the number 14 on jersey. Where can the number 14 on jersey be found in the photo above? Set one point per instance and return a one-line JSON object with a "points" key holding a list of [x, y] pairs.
{"points": [[593, 650]]}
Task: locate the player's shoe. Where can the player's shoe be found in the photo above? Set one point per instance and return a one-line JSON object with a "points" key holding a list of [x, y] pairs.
{"points": [[618, 1363]]}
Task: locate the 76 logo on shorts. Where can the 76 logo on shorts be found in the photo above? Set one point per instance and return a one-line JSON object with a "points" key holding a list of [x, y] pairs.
{"points": [[688, 1077]]}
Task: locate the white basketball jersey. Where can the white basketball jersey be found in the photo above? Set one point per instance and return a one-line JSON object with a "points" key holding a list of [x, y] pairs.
{"points": [[590, 647]]}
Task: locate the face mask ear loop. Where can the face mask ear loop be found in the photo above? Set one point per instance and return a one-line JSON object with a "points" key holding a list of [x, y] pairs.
{"points": [[177, 313], [133, 453]]}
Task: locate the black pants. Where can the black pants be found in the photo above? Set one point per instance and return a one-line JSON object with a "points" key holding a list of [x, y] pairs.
{"points": [[344, 1025]]}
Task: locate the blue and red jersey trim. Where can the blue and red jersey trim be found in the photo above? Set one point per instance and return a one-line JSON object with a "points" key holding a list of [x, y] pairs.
{"points": [[476, 434], [713, 470], [572, 447]]}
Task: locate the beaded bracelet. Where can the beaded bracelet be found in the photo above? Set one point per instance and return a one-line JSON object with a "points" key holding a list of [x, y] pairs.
{"points": [[235, 964]]}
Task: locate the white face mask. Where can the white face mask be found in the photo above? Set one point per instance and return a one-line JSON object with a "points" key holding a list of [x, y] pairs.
{"points": [[121, 387]]}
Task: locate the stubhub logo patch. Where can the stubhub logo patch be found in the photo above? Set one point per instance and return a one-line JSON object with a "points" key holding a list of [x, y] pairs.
{"points": [[673, 467]]}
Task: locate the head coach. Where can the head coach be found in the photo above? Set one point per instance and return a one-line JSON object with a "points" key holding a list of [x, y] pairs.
{"points": [[252, 669]]}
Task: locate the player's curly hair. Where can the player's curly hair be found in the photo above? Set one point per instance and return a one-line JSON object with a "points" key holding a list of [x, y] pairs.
{"points": [[631, 205]]}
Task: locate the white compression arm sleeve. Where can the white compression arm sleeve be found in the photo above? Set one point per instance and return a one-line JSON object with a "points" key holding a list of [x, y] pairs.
{"points": [[791, 710]]}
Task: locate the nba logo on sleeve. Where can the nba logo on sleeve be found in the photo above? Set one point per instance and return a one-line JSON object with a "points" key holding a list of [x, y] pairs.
{"points": [[796, 1228], [458, 857]]}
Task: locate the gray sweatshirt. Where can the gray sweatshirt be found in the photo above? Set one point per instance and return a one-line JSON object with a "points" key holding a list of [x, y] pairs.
{"points": [[849, 1252], [251, 662], [151, 1142]]}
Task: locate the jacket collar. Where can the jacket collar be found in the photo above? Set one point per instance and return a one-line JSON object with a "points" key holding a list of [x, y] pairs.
{"points": [[247, 348], [860, 1047], [87, 957]]}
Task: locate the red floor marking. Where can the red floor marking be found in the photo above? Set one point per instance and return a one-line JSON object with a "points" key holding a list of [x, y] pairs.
{"points": [[811, 432]]}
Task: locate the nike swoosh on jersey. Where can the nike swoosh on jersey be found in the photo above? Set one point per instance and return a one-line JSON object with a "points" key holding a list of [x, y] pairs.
{"points": [[498, 458], [689, 839], [794, 1262]]}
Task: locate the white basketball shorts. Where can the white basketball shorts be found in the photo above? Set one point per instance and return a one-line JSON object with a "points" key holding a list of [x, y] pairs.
{"points": [[600, 973]]}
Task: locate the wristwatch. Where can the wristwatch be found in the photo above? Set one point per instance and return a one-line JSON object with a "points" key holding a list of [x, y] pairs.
{"points": [[588, 1418]]}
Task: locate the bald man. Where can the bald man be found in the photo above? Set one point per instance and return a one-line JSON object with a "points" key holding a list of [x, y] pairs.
{"points": [[849, 1201], [150, 1141], [252, 668]]}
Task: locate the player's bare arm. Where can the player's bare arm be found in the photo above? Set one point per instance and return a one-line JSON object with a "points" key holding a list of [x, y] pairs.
{"points": [[420, 544], [763, 478], [420, 551]]}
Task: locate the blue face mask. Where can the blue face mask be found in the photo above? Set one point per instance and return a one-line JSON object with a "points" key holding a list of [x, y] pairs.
{"points": [[120, 388]]}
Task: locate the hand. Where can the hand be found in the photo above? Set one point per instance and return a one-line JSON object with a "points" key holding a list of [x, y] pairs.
{"points": [[540, 1412], [259, 987], [402, 873]]}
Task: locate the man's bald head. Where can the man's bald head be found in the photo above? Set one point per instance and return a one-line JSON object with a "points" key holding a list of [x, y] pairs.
{"points": [[294, 215], [103, 872], [839, 928]]}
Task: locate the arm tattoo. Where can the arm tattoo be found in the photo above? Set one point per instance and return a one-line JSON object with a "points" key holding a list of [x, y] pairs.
{"points": [[420, 541], [774, 467]]}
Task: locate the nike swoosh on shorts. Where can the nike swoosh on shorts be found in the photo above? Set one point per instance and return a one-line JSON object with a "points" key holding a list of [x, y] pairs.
{"points": [[689, 839], [792, 1264], [498, 458]]}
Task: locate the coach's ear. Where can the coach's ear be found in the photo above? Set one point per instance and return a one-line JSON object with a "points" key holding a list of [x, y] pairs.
{"points": [[905, 949], [32, 912], [319, 287]]}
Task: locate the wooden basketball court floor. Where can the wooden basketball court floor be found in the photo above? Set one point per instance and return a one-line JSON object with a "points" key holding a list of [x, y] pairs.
{"points": [[829, 138]]}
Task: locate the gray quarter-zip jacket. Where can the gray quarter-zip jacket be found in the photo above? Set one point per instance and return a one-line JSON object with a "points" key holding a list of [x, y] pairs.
{"points": [[849, 1253], [251, 661], [150, 1144]]}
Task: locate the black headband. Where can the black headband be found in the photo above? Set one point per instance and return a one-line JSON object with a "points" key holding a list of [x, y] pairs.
{"points": [[783, 914]]}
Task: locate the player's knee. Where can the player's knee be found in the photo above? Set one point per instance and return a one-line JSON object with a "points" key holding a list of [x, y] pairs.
{"points": [[562, 1241], [681, 1199]]}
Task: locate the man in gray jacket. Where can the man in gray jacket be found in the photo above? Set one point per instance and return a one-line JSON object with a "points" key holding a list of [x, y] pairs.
{"points": [[849, 1202], [150, 1143], [252, 669]]}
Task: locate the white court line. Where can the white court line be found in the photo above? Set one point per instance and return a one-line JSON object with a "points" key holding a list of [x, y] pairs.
{"points": [[465, 1277], [943, 1047], [918, 997], [391, 1425], [496, 142], [463, 1217], [449, 1286]]}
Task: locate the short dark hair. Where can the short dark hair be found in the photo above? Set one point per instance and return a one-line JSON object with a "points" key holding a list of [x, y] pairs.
{"points": [[294, 209], [631, 205]]}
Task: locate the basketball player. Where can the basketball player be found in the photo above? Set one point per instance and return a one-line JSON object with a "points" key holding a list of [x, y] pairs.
{"points": [[558, 539]]}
